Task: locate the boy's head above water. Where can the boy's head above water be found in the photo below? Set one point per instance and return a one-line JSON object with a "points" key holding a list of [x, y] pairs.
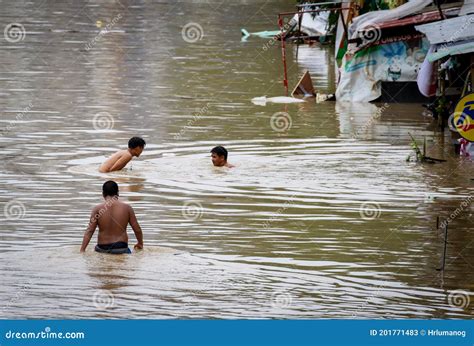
{"points": [[136, 146], [219, 156], [110, 189]]}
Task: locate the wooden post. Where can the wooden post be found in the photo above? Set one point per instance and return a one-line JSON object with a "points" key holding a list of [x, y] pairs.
{"points": [[445, 246], [300, 19], [442, 88], [472, 72], [283, 53]]}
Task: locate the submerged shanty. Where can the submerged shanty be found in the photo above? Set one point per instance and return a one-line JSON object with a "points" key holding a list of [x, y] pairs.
{"points": [[395, 51]]}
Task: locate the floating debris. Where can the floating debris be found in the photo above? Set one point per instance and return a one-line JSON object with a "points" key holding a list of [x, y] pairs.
{"points": [[263, 100]]}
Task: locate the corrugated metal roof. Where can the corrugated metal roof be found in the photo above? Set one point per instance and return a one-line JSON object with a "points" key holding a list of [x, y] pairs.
{"points": [[467, 8], [428, 16], [445, 49], [449, 30], [417, 19]]}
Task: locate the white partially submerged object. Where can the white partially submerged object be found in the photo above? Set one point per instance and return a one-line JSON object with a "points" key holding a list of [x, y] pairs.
{"points": [[263, 100], [323, 97], [303, 91]]}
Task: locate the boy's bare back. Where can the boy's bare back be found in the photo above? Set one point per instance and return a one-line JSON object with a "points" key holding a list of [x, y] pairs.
{"points": [[116, 162], [112, 216], [120, 159], [113, 219]]}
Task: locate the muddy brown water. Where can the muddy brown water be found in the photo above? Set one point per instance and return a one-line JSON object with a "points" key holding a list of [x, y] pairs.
{"points": [[321, 218]]}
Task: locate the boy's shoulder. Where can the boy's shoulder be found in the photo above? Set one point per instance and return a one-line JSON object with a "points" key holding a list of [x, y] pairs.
{"points": [[98, 208], [122, 204], [122, 152]]}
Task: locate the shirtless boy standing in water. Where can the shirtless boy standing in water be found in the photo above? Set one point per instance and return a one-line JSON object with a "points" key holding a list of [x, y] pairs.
{"points": [[112, 217], [120, 159]]}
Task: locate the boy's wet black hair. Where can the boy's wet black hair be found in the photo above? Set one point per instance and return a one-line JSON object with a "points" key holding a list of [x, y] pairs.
{"points": [[136, 142], [220, 151], [110, 188]]}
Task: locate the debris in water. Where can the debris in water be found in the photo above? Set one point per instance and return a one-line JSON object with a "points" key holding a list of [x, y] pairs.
{"points": [[263, 100]]}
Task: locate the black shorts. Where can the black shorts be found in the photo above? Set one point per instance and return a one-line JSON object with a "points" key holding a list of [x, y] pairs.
{"points": [[116, 248]]}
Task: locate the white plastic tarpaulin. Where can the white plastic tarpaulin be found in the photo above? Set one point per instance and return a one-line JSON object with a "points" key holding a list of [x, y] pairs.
{"points": [[426, 79], [362, 74]]}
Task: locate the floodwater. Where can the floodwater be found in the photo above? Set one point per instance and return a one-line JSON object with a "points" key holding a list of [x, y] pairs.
{"points": [[323, 217]]}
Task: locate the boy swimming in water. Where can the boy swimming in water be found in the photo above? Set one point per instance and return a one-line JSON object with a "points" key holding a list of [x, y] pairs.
{"points": [[120, 159], [219, 157], [112, 217]]}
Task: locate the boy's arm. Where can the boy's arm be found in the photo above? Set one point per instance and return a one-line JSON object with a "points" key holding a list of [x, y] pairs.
{"points": [[90, 229], [120, 163], [136, 229]]}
